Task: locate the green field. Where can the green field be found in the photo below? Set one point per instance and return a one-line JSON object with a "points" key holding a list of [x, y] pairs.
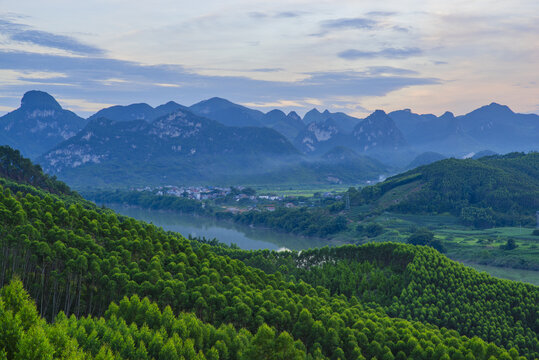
{"points": [[298, 190], [528, 276], [479, 248]]}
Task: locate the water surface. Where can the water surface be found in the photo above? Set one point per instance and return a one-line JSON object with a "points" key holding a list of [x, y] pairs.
{"points": [[244, 236]]}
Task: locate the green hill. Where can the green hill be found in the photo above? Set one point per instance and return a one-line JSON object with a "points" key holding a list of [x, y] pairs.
{"points": [[497, 190], [111, 287], [16, 168]]}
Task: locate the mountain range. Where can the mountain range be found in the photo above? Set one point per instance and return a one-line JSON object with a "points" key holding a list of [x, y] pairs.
{"points": [[225, 138]]}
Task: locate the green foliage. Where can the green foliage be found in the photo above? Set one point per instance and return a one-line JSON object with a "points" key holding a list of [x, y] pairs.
{"points": [[302, 221], [88, 269], [416, 283], [509, 245], [15, 167], [425, 237], [477, 217], [491, 191], [370, 230], [149, 200]]}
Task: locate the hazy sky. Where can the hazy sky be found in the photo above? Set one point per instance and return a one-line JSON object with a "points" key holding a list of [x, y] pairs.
{"points": [[352, 56]]}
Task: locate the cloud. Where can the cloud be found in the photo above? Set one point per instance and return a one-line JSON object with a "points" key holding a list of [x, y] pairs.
{"points": [[288, 14], [267, 69], [166, 85], [400, 28], [358, 23], [24, 34], [274, 104], [108, 80], [382, 13], [82, 104], [277, 15], [388, 53], [349, 23], [378, 70], [258, 15], [46, 39]]}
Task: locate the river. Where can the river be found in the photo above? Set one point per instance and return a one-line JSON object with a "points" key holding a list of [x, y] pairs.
{"points": [[244, 236]]}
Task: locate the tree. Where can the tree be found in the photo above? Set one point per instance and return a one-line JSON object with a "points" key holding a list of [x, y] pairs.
{"points": [[425, 237], [509, 245], [34, 345]]}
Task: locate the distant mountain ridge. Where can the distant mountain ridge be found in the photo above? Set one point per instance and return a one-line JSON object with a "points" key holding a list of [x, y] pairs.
{"points": [[184, 148], [289, 125], [140, 111], [179, 134], [38, 124], [492, 126], [344, 122], [378, 131], [375, 132], [227, 113]]}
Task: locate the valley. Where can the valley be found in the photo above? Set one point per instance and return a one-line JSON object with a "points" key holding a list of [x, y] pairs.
{"points": [[269, 180], [177, 235]]}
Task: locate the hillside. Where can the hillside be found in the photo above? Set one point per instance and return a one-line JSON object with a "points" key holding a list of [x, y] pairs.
{"points": [[424, 159], [138, 292], [180, 146], [494, 190], [16, 168]]}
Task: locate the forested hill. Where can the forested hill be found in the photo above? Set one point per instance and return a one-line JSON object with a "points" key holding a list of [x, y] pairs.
{"points": [[118, 288], [17, 168], [494, 190]]}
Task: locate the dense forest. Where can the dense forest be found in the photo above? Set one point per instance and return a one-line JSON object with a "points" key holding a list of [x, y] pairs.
{"points": [[80, 282], [498, 190], [302, 221], [149, 200], [20, 169]]}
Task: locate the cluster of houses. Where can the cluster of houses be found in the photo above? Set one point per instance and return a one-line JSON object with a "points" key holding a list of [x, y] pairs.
{"points": [[207, 192], [251, 201], [195, 192]]}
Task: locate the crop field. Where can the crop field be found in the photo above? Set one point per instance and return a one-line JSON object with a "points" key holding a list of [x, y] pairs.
{"points": [[479, 248]]}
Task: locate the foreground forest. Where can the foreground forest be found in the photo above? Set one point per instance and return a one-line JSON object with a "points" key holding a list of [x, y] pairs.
{"points": [[80, 282]]}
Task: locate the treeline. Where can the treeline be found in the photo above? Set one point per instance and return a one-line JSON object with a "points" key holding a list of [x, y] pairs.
{"points": [[20, 169], [302, 221], [500, 190], [149, 200], [77, 261]]}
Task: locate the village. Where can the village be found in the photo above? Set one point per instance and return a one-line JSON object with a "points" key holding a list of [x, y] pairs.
{"points": [[240, 198]]}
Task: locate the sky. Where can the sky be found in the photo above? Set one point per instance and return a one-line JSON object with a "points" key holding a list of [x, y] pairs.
{"points": [[350, 56]]}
